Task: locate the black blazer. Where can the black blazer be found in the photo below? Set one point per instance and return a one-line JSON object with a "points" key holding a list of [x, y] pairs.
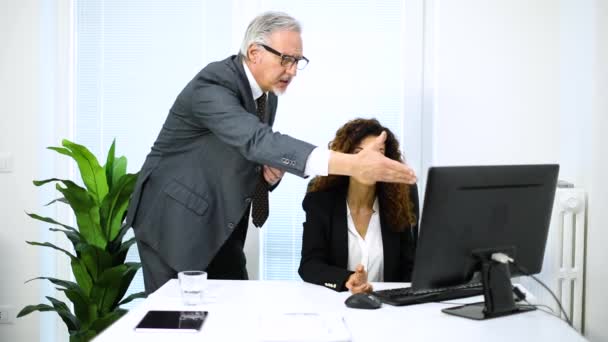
{"points": [[325, 242]]}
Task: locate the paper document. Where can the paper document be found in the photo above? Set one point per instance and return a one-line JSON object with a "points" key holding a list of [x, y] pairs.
{"points": [[303, 326]]}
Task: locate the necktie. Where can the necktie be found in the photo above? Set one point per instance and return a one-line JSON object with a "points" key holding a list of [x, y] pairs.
{"points": [[259, 208]]}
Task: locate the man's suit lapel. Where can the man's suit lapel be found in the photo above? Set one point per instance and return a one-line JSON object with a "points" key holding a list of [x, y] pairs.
{"points": [[272, 107], [245, 89], [340, 231], [244, 86]]}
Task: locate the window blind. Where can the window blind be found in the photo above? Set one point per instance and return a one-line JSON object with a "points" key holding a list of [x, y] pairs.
{"points": [[132, 59]]}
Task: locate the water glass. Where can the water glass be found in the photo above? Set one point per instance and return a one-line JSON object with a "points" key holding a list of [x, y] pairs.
{"points": [[192, 286]]}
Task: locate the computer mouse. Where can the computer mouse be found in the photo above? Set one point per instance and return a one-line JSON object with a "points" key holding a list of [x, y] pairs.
{"points": [[363, 301]]}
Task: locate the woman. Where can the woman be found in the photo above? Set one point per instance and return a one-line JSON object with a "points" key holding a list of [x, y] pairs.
{"points": [[357, 233]]}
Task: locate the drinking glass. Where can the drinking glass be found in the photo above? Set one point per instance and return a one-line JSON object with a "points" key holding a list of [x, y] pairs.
{"points": [[192, 285]]}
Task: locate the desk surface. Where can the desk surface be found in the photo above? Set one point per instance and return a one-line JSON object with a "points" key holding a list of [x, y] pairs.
{"points": [[235, 306]]}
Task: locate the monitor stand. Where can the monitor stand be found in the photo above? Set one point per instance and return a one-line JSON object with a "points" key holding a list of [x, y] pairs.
{"points": [[497, 293]]}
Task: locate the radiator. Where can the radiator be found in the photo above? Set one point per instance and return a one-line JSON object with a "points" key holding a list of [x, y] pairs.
{"points": [[564, 261]]}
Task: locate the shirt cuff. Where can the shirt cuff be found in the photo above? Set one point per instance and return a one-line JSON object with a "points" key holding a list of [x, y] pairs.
{"points": [[317, 163]]}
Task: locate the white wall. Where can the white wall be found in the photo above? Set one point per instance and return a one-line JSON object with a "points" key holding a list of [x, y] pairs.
{"points": [[19, 94], [518, 81], [33, 82], [595, 172], [497, 82]]}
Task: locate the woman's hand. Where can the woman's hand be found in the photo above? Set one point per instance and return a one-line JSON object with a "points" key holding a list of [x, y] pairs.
{"points": [[357, 282]]}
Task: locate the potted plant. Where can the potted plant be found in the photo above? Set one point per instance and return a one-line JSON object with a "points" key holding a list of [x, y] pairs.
{"points": [[101, 274]]}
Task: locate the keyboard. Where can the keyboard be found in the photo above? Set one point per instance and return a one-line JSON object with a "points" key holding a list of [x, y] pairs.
{"points": [[407, 296]]}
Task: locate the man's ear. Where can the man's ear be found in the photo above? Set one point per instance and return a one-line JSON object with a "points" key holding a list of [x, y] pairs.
{"points": [[252, 53]]}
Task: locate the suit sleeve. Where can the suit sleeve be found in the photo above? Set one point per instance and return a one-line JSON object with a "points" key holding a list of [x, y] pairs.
{"points": [[408, 239], [216, 106], [315, 264]]}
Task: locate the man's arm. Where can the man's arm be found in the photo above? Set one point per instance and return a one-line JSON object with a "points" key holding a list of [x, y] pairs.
{"points": [[218, 109], [368, 166]]}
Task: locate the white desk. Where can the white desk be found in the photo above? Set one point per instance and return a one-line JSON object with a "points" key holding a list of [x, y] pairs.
{"points": [[235, 307]]}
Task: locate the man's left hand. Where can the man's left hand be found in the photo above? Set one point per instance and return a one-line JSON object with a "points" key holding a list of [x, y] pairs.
{"points": [[272, 175]]}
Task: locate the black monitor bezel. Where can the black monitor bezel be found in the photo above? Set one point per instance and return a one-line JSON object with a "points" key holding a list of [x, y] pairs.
{"points": [[445, 259]]}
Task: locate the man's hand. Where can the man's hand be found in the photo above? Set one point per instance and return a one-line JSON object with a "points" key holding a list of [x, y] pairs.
{"points": [[272, 175], [357, 282], [370, 165], [373, 166]]}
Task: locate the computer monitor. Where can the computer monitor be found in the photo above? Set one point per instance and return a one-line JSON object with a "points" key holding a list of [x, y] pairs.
{"points": [[471, 212]]}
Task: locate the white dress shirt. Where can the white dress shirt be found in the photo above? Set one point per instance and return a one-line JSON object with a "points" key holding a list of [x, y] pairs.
{"points": [[317, 163], [369, 251]]}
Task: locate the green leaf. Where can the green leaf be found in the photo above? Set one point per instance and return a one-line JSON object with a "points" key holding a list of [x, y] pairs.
{"points": [[93, 175], [82, 276], [112, 286], [66, 315], [61, 150], [105, 295], [83, 335], [83, 308], [48, 244], [115, 245], [132, 297], [121, 254], [105, 321], [42, 182], [61, 199], [115, 205], [73, 236], [109, 167], [31, 308], [125, 281], [49, 220], [57, 304], [96, 260], [59, 282], [87, 213], [120, 169]]}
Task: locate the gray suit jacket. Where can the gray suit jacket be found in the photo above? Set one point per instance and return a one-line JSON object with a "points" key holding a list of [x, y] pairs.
{"points": [[201, 173]]}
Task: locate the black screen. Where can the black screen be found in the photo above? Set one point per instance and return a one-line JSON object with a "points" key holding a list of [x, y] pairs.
{"points": [[470, 208], [180, 320]]}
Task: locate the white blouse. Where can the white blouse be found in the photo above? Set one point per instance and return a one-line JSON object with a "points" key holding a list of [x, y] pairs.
{"points": [[369, 251]]}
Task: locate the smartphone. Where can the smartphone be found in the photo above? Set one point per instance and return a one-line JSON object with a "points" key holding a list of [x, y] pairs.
{"points": [[186, 321]]}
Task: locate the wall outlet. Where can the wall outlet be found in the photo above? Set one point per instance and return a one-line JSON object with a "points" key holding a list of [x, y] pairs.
{"points": [[7, 314], [6, 162]]}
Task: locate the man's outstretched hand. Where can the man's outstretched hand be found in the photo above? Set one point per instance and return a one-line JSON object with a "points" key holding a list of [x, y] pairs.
{"points": [[370, 165]]}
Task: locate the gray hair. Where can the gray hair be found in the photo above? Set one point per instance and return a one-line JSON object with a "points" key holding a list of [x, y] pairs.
{"points": [[264, 25]]}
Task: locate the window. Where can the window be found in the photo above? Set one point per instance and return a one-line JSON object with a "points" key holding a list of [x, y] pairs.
{"points": [[132, 59]]}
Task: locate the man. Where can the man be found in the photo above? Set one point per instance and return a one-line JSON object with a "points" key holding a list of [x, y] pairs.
{"points": [[217, 153]]}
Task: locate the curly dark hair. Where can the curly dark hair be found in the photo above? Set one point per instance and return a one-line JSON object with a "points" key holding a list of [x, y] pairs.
{"points": [[393, 198]]}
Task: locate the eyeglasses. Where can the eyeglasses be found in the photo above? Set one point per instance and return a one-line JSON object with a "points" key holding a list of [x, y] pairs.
{"points": [[287, 60]]}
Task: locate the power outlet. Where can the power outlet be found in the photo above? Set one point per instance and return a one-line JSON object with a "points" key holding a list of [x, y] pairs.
{"points": [[6, 162], [7, 314]]}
